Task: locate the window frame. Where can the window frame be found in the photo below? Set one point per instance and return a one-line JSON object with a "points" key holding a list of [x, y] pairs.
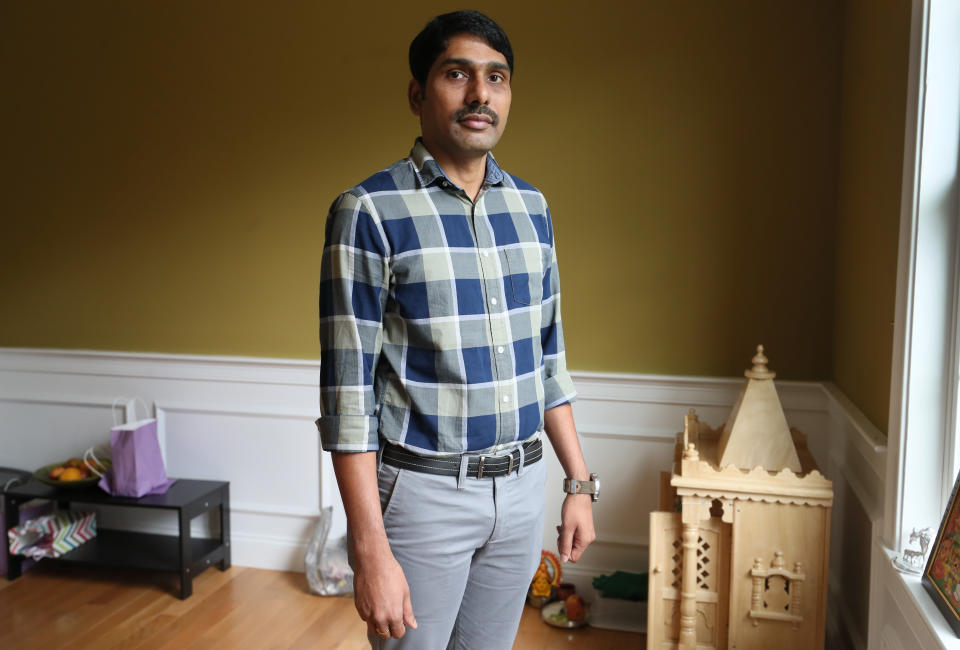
{"points": [[924, 450]]}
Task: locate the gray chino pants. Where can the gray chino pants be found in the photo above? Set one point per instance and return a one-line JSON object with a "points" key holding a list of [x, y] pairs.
{"points": [[468, 553]]}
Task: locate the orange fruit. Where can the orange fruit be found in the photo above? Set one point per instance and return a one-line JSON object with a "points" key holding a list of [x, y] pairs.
{"points": [[71, 474], [74, 462], [56, 472], [575, 610]]}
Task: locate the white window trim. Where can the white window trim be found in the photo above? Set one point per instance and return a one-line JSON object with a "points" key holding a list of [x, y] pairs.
{"points": [[921, 446], [923, 451]]}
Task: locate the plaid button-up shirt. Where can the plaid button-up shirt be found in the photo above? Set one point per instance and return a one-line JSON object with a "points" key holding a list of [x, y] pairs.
{"points": [[439, 317]]}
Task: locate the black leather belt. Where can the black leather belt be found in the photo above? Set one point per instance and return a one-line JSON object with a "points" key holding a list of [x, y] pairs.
{"points": [[477, 466]]}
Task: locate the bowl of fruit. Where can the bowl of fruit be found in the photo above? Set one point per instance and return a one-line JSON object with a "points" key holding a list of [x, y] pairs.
{"points": [[73, 473]]}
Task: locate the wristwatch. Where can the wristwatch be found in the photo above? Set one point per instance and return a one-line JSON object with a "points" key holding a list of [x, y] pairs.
{"points": [[591, 487]]}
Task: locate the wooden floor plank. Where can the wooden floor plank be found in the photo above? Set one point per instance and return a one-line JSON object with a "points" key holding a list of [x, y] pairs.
{"points": [[195, 621], [303, 609], [53, 619], [63, 606], [336, 625], [144, 610]]}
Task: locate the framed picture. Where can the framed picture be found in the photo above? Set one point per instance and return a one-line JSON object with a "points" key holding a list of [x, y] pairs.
{"points": [[941, 576]]}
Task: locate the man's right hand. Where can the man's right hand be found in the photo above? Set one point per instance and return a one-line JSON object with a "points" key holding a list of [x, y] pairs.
{"points": [[380, 589], [382, 596]]}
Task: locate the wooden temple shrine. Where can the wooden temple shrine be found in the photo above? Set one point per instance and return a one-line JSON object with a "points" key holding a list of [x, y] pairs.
{"points": [[739, 552]]}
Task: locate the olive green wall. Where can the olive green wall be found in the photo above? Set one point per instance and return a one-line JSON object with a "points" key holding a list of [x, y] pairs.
{"points": [[167, 167], [875, 53]]}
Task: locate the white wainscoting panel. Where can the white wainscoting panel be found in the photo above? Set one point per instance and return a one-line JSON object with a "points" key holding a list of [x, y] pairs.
{"points": [[270, 457], [29, 420], [856, 453], [250, 421]]}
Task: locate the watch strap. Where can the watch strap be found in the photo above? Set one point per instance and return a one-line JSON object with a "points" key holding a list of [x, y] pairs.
{"points": [[576, 486]]}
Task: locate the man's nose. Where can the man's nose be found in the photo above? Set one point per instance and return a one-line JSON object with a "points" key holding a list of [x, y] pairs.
{"points": [[477, 91]]}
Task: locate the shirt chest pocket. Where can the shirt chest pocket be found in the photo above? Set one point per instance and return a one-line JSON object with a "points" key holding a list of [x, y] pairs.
{"points": [[525, 268]]}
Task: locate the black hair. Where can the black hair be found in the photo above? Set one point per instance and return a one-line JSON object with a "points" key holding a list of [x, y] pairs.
{"points": [[434, 38]]}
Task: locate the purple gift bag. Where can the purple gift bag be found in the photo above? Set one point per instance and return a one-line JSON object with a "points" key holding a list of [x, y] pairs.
{"points": [[137, 462]]}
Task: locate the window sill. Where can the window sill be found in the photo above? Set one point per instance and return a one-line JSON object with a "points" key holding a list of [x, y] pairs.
{"points": [[925, 620]]}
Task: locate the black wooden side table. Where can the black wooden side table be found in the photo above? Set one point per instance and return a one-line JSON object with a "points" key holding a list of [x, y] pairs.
{"points": [[118, 548]]}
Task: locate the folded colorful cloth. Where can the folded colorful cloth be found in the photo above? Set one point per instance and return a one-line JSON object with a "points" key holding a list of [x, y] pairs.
{"points": [[622, 585], [52, 535]]}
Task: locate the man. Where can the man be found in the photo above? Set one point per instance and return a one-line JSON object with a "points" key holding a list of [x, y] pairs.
{"points": [[443, 360]]}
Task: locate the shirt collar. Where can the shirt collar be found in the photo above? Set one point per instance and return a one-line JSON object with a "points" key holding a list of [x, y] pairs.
{"points": [[428, 170]]}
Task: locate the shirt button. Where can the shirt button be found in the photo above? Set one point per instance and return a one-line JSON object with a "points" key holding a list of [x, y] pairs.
{"points": [[493, 301], [499, 349], [506, 398]]}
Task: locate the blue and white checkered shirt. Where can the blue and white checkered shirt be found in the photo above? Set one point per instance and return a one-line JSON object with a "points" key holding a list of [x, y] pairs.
{"points": [[439, 317]]}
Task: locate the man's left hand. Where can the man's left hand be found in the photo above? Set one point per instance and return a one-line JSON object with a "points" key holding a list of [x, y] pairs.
{"points": [[576, 529]]}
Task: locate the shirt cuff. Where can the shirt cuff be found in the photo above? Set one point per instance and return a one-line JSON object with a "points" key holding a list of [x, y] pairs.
{"points": [[348, 433], [558, 390]]}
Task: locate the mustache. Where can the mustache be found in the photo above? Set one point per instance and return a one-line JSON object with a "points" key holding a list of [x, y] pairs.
{"points": [[477, 109]]}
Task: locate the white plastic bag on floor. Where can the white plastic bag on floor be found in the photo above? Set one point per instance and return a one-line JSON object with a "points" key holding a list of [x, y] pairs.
{"points": [[328, 572]]}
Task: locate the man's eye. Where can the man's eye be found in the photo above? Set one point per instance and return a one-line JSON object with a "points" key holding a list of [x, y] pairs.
{"points": [[498, 78], [456, 74]]}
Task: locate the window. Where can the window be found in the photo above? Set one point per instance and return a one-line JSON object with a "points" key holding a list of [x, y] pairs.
{"points": [[924, 450]]}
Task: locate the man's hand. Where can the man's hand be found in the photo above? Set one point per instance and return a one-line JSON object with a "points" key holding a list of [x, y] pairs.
{"points": [[575, 532], [382, 596], [381, 593]]}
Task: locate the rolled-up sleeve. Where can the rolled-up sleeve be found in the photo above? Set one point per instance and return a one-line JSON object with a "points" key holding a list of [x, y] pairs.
{"points": [[354, 280], [557, 385]]}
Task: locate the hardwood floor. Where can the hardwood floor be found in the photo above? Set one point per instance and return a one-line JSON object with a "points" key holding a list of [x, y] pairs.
{"points": [[63, 606]]}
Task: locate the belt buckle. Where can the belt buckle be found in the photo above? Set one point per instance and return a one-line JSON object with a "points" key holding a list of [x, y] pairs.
{"points": [[510, 465], [480, 466]]}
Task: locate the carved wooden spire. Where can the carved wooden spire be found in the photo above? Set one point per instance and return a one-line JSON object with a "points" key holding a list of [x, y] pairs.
{"points": [[756, 433]]}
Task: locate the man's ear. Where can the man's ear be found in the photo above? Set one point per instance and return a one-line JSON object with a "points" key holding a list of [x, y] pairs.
{"points": [[415, 96]]}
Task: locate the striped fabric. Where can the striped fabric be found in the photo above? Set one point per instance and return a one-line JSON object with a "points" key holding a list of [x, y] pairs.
{"points": [[439, 318], [52, 535]]}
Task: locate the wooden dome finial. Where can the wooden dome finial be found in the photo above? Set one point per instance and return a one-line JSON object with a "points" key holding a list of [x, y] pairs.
{"points": [[760, 369]]}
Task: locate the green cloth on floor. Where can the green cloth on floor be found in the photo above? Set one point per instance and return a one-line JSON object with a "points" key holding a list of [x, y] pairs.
{"points": [[622, 585]]}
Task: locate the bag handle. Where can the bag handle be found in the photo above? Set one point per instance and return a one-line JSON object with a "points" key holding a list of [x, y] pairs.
{"points": [[113, 410], [136, 399], [95, 464]]}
